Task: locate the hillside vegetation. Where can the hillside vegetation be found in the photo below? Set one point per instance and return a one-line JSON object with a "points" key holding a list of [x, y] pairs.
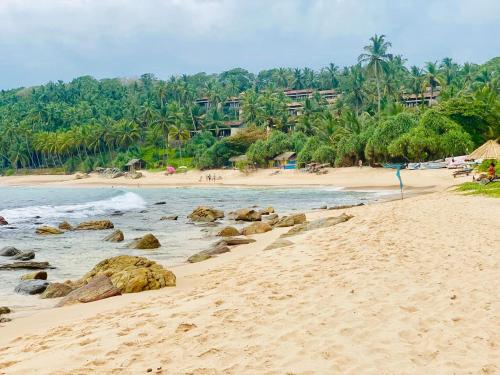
{"points": [[88, 123]]}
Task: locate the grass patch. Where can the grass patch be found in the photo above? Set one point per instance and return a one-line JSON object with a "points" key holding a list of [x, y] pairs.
{"points": [[473, 188]]}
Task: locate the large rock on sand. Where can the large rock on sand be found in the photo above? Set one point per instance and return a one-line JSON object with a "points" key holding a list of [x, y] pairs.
{"points": [[218, 248], [228, 232], [9, 251], [98, 288], [205, 214], [31, 286], [116, 236], [256, 228], [132, 274], [291, 220], [39, 275], [95, 225], [317, 224], [56, 290], [46, 230], [246, 214], [146, 242]]}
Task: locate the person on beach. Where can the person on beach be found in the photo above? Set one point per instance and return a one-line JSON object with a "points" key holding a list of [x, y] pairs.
{"points": [[491, 171], [360, 163]]}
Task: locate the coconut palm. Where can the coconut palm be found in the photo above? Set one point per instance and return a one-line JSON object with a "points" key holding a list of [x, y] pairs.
{"points": [[376, 58], [431, 77]]}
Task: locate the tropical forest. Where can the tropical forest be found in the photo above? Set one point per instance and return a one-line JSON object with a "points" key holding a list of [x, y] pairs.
{"points": [[377, 110]]}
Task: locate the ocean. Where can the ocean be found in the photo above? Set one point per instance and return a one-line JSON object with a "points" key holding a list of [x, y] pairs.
{"points": [[134, 212]]}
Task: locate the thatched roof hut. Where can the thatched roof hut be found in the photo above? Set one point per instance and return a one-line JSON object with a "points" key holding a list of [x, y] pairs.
{"points": [[135, 164], [489, 150]]}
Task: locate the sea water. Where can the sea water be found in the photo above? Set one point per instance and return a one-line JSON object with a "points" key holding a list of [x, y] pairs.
{"points": [[136, 213]]}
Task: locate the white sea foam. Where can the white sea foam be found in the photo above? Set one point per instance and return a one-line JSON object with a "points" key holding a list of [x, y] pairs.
{"points": [[124, 202]]}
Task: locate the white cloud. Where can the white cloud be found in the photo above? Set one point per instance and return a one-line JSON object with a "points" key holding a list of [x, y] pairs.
{"points": [[53, 39]]}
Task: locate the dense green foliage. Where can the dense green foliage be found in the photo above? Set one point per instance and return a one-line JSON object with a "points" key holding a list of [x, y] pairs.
{"points": [[87, 122]]}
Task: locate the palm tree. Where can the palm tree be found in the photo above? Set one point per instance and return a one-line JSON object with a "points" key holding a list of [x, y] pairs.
{"points": [[416, 80], [431, 77], [332, 72], [449, 69], [298, 79], [377, 58]]}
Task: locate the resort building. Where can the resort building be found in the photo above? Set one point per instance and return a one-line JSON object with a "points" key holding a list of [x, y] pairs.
{"points": [[230, 128], [427, 98]]}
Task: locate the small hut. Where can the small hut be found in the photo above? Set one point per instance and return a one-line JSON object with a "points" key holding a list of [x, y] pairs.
{"points": [[286, 160], [135, 164], [236, 159], [489, 150]]}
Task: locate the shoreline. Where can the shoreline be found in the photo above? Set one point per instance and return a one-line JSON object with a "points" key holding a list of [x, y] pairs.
{"points": [[209, 317]]}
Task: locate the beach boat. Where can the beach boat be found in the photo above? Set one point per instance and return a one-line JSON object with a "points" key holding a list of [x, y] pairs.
{"points": [[414, 166], [394, 165], [434, 165]]}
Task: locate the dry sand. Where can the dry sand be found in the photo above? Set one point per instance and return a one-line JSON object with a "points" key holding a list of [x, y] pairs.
{"points": [[405, 287], [365, 177]]}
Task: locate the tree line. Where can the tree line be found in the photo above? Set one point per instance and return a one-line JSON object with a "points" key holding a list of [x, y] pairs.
{"points": [[87, 123]]}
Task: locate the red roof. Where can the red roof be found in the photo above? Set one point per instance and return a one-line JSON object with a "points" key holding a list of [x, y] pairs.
{"points": [[233, 123]]}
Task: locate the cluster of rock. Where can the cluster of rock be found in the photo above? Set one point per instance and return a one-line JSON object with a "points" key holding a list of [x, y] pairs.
{"points": [[115, 173], [22, 259]]}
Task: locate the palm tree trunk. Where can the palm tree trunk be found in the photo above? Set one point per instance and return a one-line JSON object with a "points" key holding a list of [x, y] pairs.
{"points": [[378, 90]]}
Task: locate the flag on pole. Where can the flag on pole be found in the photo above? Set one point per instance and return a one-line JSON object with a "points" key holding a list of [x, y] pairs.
{"points": [[398, 175]]}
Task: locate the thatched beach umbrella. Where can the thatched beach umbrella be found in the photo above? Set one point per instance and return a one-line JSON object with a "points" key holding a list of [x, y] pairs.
{"points": [[489, 150]]}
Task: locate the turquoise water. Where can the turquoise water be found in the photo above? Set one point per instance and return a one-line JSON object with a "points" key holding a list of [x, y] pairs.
{"points": [[135, 213]]}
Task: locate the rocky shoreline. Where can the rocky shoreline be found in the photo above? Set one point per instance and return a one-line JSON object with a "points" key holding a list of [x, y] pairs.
{"points": [[131, 274]]}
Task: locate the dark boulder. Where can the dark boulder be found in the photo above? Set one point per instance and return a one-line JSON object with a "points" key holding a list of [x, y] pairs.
{"points": [[9, 251], [170, 217], [28, 255], [31, 287], [3, 221]]}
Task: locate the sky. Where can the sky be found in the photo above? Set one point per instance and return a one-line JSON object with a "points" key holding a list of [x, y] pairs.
{"points": [[48, 40]]}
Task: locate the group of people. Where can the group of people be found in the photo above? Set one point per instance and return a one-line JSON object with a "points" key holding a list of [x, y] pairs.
{"points": [[210, 178]]}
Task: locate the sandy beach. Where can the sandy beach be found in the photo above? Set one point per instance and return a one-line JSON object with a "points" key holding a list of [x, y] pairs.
{"points": [[404, 287], [356, 178]]}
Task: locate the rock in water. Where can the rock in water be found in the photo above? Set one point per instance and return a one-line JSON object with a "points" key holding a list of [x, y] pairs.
{"points": [[3, 221], [46, 230], [146, 242], [279, 243], [205, 214], [56, 290], [4, 310], [116, 236], [95, 225], [246, 214], [160, 203], [171, 217], [28, 255], [317, 224], [267, 211], [132, 274], [65, 226], [256, 228], [9, 251], [228, 232], [39, 275], [31, 286], [99, 287], [26, 265]]}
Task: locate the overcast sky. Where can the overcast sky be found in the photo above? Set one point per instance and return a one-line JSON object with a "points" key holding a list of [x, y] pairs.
{"points": [[42, 40]]}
